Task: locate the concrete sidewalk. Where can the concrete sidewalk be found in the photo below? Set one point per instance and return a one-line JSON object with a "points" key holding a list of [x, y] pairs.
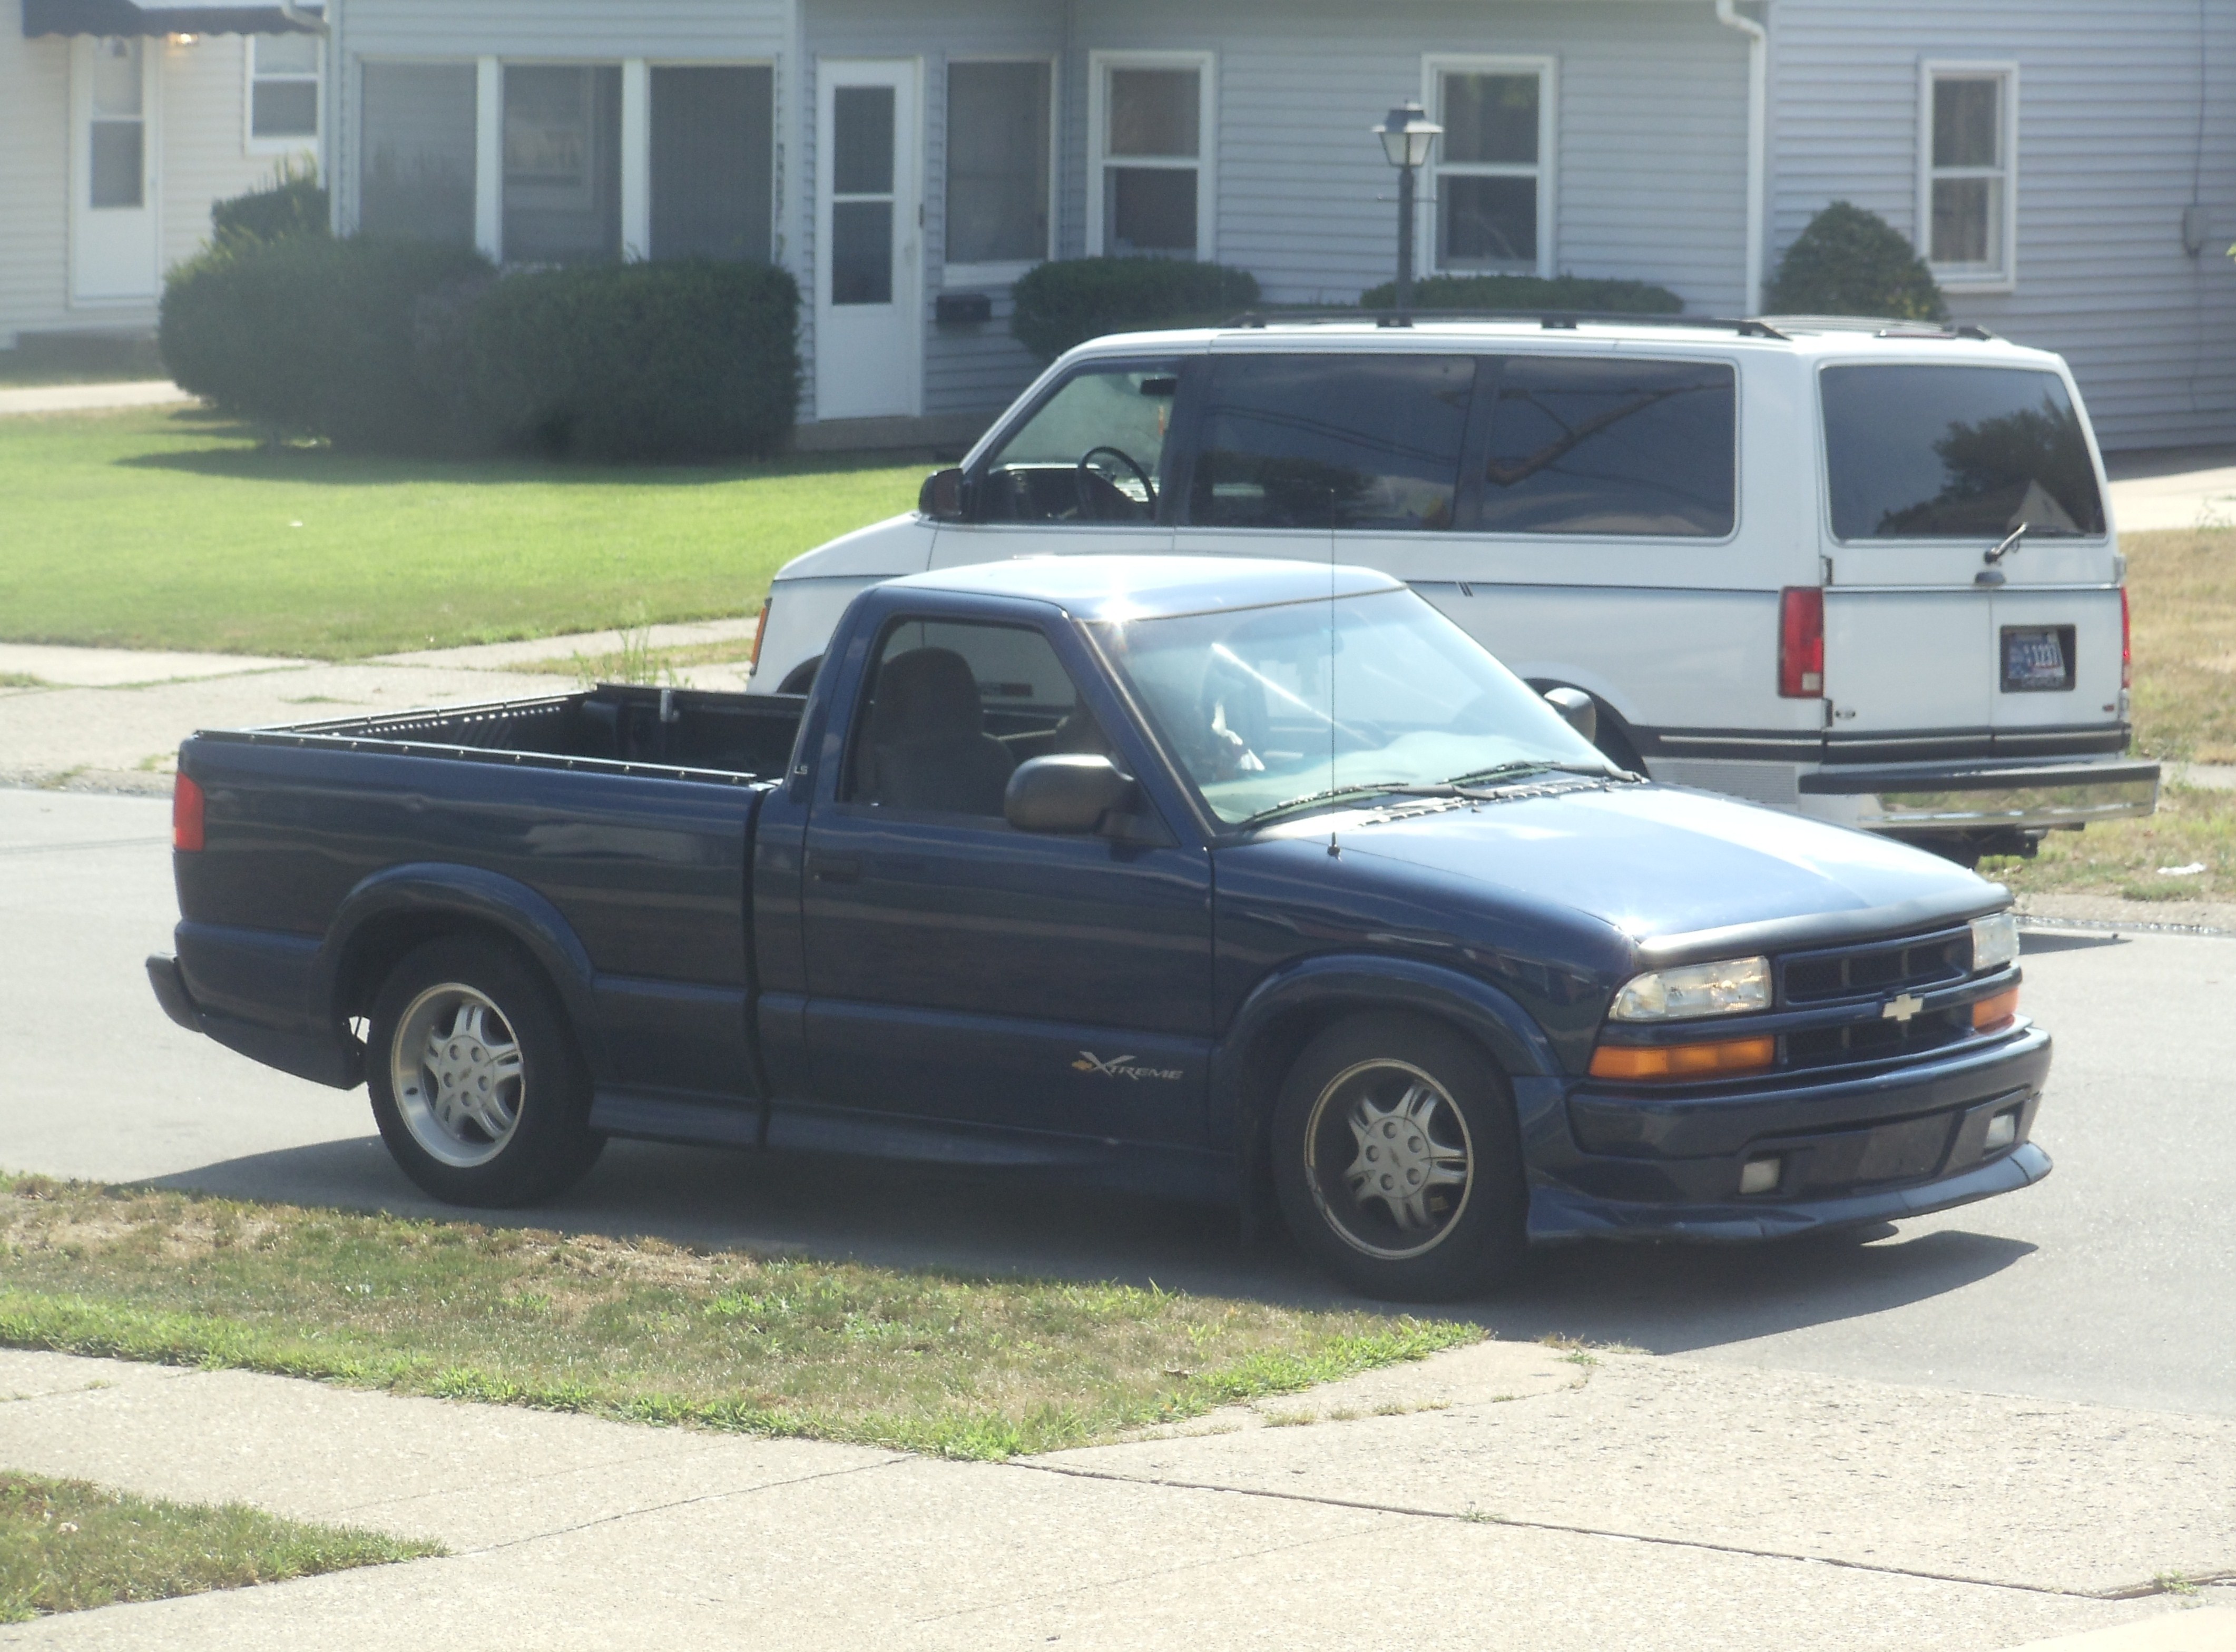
{"points": [[1658, 1504], [90, 399]]}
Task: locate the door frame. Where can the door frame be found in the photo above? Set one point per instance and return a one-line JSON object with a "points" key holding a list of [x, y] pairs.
{"points": [[80, 135], [905, 76]]}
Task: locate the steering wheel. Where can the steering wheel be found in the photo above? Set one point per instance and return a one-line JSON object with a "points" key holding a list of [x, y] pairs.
{"points": [[1083, 471]]}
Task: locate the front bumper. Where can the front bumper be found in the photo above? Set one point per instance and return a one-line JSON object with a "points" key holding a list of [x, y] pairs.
{"points": [[1604, 1163], [1941, 796]]}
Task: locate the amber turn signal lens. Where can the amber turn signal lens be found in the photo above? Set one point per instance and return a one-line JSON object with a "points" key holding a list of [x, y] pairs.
{"points": [[761, 630], [1998, 1012], [1683, 1060]]}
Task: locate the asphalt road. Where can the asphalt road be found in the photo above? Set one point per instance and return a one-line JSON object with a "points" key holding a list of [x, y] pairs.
{"points": [[2113, 1281]]}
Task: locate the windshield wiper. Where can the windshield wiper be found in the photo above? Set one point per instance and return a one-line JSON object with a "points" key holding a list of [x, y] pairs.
{"points": [[1460, 788], [1526, 765], [1314, 799]]}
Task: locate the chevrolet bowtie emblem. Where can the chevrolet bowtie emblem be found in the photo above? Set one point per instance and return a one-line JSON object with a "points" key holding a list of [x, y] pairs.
{"points": [[1901, 1009]]}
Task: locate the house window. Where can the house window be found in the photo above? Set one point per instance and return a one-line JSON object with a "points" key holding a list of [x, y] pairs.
{"points": [[283, 90], [1967, 192], [118, 133], [417, 176], [562, 163], [1150, 183], [713, 137], [1492, 189], [998, 135]]}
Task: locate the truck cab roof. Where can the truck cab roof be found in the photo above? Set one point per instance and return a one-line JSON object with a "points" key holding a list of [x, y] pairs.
{"points": [[1141, 587]]}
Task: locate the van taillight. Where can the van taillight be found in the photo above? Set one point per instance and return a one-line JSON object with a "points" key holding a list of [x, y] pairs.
{"points": [[1801, 642], [761, 630], [186, 815], [2126, 645]]}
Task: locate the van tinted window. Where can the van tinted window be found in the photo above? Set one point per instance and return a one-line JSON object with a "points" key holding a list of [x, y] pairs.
{"points": [[1956, 453], [1329, 441], [1594, 445]]}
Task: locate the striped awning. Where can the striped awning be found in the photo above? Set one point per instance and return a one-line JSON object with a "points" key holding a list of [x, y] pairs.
{"points": [[171, 17]]}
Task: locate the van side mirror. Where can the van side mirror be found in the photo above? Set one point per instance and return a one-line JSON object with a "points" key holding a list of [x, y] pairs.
{"points": [[941, 497], [1577, 709], [1070, 791]]}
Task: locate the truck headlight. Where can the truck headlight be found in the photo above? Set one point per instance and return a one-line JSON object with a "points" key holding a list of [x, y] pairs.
{"points": [[1995, 941], [1727, 989]]}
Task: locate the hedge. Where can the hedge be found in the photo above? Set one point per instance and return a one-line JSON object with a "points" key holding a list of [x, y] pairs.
{"points": [[293, 203], [1852, 262], [1070, 300], [402, 347], [1562, 293]]}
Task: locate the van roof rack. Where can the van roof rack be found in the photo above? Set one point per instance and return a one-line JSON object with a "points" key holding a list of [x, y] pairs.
{"points": [[1884, 327], [1551, 320]]}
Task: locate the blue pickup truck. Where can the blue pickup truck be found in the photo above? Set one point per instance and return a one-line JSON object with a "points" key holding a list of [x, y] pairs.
{"points": [[1233, 880]]}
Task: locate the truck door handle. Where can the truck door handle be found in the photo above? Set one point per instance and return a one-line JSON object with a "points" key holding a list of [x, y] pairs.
{"points": [[835, 869]]}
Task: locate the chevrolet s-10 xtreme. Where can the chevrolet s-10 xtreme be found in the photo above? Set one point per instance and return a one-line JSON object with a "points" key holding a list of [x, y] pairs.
{"points": [[1229, 880]]}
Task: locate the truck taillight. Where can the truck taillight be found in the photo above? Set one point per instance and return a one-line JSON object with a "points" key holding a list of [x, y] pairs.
{"points": [[1801, 642], [186, 815], [761, 630], [2126, 645]]}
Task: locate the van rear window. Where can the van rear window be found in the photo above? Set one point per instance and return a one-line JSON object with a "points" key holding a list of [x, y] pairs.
{"points": [[1926, 453]]}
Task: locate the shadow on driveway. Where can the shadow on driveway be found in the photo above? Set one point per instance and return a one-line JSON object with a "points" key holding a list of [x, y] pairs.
{"points": [[1665, 1299]]}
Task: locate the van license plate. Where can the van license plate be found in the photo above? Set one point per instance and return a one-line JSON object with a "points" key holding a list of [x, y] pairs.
{"points": [[2037, 661]]}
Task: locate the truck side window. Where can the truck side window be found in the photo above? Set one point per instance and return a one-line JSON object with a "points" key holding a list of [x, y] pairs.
{"points": [[1609, 447], [1331, 441], [1094, 452], [953, 708]]}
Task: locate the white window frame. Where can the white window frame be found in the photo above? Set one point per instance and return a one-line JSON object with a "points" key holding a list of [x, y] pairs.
{"points": [[1204, 163], [1969, 278], [958, 275], [252, 144], [1546, 172]]}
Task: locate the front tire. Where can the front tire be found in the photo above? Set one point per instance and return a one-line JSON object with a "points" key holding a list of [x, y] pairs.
{"points": [[477, 1086], [1397, 1160]]}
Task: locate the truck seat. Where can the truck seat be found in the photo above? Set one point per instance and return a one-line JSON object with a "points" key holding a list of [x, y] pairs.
{"points": [[928, 748]]}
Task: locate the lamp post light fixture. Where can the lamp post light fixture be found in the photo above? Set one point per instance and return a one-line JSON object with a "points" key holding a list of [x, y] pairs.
{"points": [[1407, 135]]}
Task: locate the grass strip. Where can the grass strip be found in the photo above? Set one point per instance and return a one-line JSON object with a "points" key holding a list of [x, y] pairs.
{"points": [[2181, 587], [2146, 859], [640, 1330], [66, 1546]]}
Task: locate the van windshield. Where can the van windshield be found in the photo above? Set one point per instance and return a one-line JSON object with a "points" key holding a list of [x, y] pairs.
{"points": [[1273, 710], [1926, 453]]}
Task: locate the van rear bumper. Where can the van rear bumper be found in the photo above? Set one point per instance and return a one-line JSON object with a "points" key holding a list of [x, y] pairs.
{"points": [[1953, 796]]}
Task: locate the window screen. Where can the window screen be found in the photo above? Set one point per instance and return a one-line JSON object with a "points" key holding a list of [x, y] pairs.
{"points": [[1925, 452], [712, 168], [1487, 176], [418, 176], [1594, 445], [1331, 441], [1154, 121], [997, 163], [284, 94], [562, 164], [118, 135]]}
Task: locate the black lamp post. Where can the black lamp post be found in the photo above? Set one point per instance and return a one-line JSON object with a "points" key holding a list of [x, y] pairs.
{"points": [[1407, 136]]}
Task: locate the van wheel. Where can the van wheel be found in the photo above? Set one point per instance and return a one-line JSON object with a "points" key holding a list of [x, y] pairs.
{"points": [[476, 1085], [1397, 1160]]}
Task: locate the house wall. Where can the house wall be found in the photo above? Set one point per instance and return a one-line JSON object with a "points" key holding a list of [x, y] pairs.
{"points": [[2124, 118]]}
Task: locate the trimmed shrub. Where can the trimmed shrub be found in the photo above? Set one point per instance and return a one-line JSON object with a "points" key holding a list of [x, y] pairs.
{"points": [[1561, 295], [1852, 262], [314, 337], [689, 359], [1070, 300], [293, 203]]}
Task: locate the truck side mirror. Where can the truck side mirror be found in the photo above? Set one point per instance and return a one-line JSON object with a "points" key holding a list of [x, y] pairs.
{"points": [[1577, 709], [941, 497], [1070, 791]]}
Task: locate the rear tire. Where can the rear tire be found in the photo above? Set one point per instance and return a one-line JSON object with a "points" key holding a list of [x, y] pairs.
{"points": [[1397, 1160], [476, 1085]]}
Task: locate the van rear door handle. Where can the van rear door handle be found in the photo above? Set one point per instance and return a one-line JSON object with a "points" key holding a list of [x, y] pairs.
{"points": [[835, 869]]}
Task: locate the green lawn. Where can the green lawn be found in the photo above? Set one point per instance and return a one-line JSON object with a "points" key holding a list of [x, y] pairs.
{"points": [[177, 530], [638, 1328], [66, 1546]]}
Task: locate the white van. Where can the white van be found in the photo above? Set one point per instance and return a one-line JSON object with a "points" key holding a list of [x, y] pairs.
{"points": [[1863, 571]]}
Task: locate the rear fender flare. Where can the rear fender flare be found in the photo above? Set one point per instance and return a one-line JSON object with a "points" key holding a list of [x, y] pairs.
{"points": [[429, 891]]}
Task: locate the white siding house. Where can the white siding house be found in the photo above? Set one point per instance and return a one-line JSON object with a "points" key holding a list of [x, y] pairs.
{"points": [[119, 126], [907, 160]]}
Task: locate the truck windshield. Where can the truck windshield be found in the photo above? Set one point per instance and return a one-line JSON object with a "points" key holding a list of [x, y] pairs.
{"points": [[1273, 710], [1923, 452]]}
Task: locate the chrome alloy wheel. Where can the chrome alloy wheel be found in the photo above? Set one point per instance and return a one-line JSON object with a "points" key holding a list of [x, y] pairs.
{"points": [[456, 1070], [1389, 1159]]}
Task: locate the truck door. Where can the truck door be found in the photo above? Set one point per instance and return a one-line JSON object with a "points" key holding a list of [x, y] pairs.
{"points": [[963, 971], [1931, 650]]}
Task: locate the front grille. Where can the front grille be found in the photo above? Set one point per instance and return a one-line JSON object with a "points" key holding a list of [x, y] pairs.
{"points": [[1883, 1039], [1876, 968]]}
